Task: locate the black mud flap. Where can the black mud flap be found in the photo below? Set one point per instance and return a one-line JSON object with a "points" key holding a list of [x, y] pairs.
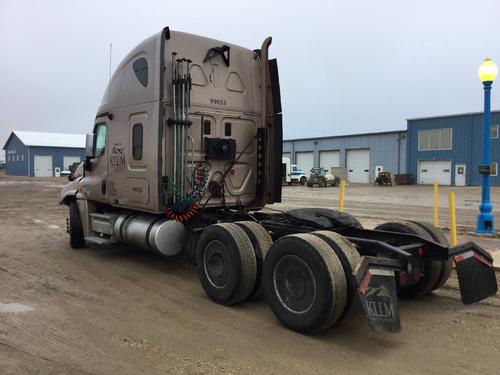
{"points": [[476, 275], [377, 292]]}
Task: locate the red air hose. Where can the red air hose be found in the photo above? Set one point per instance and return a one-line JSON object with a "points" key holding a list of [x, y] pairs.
{"points": [[185, 216]]}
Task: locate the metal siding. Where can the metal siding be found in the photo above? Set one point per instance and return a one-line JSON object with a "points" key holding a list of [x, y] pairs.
{"points": [[15, 148], [383, 149], [466, 144], [57, 155]]}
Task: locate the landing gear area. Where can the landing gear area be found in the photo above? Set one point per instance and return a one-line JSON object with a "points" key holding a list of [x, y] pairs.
{"points": [[322, 260]]}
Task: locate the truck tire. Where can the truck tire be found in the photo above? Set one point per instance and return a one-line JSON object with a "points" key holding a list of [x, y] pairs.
{"points": [[304, 283], [349, 257], [431, 268], [438, 236], [75, 228], [322, 183], [336, 181], [261, 243], [303, 180], [226, 262], [309, 184]]}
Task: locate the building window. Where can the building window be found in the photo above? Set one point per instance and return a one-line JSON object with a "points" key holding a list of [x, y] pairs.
{"points": [[435, 139], [100, 140], [493, 171], [137, 142], [17, 157], [22, 157], [141, 70], [494, 131]]}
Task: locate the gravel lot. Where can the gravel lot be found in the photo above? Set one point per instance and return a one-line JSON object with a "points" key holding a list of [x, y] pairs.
{"points": [[117, 310]]}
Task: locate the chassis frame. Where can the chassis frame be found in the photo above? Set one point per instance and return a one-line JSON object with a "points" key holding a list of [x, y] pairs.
{"points": [[384, 255]]}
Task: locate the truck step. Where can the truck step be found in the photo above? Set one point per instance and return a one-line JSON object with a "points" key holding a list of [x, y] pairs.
{"points": [[99, 241], [103, 223]]}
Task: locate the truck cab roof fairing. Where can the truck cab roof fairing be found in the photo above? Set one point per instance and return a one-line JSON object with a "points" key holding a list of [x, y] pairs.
{"points": [[125, 88]]}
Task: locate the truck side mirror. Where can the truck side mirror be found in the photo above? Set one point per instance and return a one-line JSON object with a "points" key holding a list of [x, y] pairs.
{"points": [[89, 151], [89, 146]]}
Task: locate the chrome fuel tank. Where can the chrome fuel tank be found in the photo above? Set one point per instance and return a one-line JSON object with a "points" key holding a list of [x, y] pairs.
{"points": [[150, 233]]}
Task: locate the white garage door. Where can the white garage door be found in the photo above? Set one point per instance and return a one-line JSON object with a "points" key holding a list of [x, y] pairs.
{"points": [[43, 166], [430, 171], [329, 159], [69, 160], [358, 166], [305, 161]]}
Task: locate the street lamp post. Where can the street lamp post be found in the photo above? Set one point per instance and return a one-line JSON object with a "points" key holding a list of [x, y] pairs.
{"points": [[485, 220]]}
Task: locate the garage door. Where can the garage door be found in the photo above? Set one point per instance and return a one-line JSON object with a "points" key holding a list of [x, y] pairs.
{"points": [[358, 166], [305, 161], [430, 171], [43, 166], [69, 160], [329, 159]]}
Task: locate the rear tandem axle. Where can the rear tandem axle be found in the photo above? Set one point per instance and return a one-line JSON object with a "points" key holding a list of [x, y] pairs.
{"points": [[310, 287]]}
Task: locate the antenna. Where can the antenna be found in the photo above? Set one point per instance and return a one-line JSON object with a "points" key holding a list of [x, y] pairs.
{"points": [[110, 52], [109, 78]]}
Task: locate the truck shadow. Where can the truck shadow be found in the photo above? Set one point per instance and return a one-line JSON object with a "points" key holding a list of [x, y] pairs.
{"points": [[352, 334], [138, 259]]}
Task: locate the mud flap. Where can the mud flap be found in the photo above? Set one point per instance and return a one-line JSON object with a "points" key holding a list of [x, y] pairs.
{"points": [[377, 292], [476, 275]]}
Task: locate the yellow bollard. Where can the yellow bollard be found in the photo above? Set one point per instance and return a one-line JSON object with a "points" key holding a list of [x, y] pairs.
{"points": [[453, 218], [342, 196], [436, 204]]}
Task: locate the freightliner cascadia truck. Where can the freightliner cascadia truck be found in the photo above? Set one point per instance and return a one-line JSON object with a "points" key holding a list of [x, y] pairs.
{"points": [[184, 155]]}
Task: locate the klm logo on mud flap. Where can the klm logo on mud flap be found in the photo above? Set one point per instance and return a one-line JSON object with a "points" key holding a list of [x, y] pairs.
{"points": [[117, 158], [379, 302], [380, 309]]}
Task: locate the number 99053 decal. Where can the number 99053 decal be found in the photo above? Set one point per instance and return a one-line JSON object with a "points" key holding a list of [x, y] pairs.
{"points": [[218, 101]]}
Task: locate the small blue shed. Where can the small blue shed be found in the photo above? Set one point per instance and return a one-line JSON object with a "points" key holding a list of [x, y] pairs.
{"points": [[448, 149], [42, 154]]}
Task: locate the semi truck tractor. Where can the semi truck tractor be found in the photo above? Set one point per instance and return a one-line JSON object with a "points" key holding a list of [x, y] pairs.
{"points": [[185, 154]]}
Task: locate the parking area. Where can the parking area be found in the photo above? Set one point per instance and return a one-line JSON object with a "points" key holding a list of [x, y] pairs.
{"points": [[403, 202], [118, 310]]}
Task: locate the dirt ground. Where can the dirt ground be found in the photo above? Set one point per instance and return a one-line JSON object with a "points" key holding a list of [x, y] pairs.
{"points": [[120, 311]]}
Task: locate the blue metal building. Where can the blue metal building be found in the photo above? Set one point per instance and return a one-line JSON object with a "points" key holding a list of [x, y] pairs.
{"points": [[447, 149], [364, 155], [42, 154]]}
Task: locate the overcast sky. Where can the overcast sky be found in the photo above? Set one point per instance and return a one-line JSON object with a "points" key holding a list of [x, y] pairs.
{"points": [[345, 66]]}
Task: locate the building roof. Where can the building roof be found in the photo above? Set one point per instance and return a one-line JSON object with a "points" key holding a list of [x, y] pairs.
{"points": [[450, 115], [43, 139], [345, 135]]}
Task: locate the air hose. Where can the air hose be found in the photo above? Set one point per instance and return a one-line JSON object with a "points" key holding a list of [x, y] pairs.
{"points": [[185, 208]]}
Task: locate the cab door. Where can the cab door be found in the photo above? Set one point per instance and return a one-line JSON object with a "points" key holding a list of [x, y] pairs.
{"points": [[133, 162], [94, 184]]}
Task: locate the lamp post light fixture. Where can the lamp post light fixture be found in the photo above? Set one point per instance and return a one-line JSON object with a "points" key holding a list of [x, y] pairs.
{"points": [[485, 220]]}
